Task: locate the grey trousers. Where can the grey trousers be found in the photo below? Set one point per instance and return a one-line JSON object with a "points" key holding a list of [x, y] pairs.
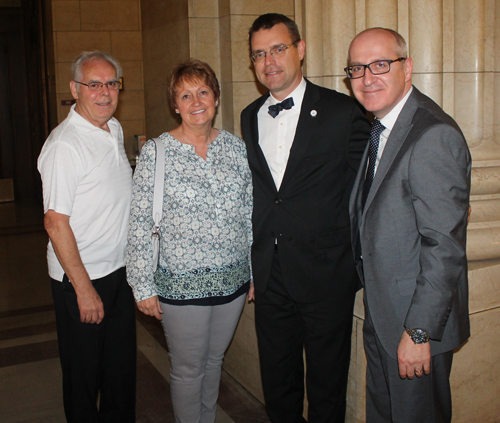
{"points": [[197, 338], [390, 399]]}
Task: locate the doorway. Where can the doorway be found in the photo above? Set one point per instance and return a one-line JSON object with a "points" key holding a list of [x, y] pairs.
{"points": [[23, 116]]}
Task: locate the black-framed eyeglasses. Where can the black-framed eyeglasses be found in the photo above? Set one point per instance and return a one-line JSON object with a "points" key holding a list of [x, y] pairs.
{"points": [[376, 68], [97, 85], [259, 56]]}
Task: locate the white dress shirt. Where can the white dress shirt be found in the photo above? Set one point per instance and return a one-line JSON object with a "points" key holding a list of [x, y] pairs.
{"points": [[389, 121], [276, 134]]}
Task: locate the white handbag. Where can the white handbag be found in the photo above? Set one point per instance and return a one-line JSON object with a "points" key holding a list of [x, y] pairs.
{"points": [[158, 199]]}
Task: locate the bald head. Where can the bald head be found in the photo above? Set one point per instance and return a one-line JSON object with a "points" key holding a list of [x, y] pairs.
{"points": [[380, 93], [401, 49]]}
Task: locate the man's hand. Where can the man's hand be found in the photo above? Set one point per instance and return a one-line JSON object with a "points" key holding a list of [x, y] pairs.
{"points": [[90, 305], [151, 307], [413, 359]]}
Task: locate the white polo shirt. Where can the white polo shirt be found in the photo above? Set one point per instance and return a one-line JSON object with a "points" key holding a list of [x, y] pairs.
{"points": [[86, 175]]}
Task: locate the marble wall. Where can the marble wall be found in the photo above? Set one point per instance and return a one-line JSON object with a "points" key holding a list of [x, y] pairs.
{"points": [[111, 26]]}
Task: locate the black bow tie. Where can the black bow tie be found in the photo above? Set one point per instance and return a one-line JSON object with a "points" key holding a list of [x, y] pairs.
{"points": [[275, 109]]}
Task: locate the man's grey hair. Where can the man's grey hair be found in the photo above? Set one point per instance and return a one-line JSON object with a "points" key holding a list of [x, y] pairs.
{"points": [[88, 56]]}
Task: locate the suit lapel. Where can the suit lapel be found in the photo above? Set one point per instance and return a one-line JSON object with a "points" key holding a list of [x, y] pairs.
{"points": [[303, 132], [394, 143], [355, 206], [357, 189], [260, 159]]}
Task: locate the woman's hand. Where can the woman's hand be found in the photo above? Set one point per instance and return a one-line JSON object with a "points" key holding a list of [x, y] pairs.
{"points": [[151, 307], [251, 292]]}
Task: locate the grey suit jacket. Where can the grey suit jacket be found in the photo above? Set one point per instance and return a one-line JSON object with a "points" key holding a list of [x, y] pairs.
{"points": [[413, 229]]}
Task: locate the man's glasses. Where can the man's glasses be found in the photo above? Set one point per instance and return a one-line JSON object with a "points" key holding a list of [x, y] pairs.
{"points": [[97, 86], [278, 51], [376, 68]]}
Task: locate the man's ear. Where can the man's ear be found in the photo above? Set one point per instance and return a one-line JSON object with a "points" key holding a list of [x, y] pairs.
{"points": [[301, 46], [73, 88], [408, 69]]}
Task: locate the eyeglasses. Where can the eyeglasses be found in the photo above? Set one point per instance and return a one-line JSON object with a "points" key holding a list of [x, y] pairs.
{"points": [[97, 86], [376, 68], [278, 51]]}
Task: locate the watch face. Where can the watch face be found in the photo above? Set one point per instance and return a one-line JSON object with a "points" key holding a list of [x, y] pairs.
{"points": [[419, 336]]}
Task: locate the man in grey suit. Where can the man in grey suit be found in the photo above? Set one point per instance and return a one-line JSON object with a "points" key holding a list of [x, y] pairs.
{"points": [[408, 214]]}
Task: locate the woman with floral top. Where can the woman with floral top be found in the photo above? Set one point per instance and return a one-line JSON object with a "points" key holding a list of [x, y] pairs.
{"points": [[198, 289]]}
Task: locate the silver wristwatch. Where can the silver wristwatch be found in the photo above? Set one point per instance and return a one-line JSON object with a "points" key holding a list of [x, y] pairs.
{"points": [[418, 336]]}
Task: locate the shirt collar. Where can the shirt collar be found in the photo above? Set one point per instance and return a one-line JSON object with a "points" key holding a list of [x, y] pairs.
{"points": [[297, 94], [390, 119], [85, 126]]}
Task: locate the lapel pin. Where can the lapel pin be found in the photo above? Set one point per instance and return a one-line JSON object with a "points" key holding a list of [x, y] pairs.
{"points": [[314, 113]]}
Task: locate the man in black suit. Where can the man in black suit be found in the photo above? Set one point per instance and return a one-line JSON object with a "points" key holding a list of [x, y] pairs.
{"points": [[304, 146]]}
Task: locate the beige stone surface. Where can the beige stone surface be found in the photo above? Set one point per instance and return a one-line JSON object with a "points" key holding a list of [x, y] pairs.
{"points": [[356, 396], [483, 284], [132, 75], [242, 357], [382, 13], [469, 39], [486, 179], [64, 76], [157, 13], [485, 208], [203, 8], [126, 45], [474, 381], [169, 43], [469, 106], [426, 35], [483, 241], [243, 94], [110, 15], [242, 67], [130, 106], [338, 31], [71, 44], [257, 7], [448, 35], [66, 15], [62, 111], [226, 50], [204, 36], [431, 84], [225, 112], [448, 105], [131, 128], [313, 63]]}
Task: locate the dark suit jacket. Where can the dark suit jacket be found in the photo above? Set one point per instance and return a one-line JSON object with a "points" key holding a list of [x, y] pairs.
{"points": [[413, 229], [309, 215]]}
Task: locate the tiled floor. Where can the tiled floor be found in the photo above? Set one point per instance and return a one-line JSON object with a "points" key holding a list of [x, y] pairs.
{"points": [[30, 375]]}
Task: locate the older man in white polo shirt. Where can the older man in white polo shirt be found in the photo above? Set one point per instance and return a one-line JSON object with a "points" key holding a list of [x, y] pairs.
{"points": [[86, 190]]}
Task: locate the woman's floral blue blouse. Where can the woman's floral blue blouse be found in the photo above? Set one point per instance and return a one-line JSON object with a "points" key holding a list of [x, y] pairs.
{"points": [[206, 230]]}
